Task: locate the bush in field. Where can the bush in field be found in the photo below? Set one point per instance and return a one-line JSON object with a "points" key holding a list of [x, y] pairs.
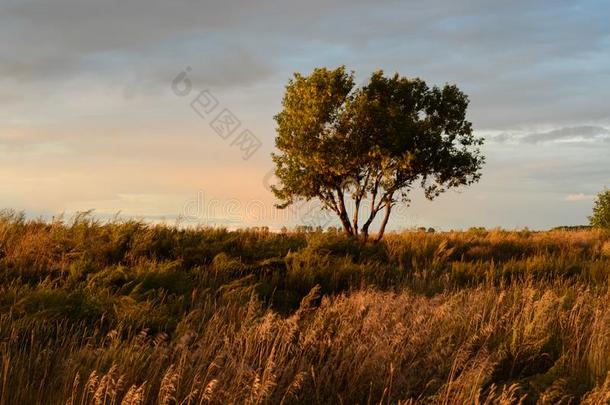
{"points": [[601, 211]]}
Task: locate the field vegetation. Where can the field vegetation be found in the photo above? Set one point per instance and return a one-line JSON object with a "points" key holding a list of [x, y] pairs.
{"points": [[130, 313]]}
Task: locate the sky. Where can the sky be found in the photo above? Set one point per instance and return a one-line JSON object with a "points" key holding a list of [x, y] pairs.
{"points": [[91, 116]]}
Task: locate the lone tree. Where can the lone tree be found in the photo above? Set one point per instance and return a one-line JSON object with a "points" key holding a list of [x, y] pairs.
{"points": [[371, 144], [601, 211]]}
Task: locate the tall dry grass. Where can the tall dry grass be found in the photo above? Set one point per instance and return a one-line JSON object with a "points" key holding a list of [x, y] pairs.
{"points": [[480, 345], [125, 313]]}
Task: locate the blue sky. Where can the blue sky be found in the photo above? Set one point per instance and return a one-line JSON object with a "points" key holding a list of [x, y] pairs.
{"points": [[89, 119]]}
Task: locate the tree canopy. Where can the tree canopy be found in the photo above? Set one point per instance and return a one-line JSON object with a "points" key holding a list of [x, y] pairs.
{"points": [[371, 145]]}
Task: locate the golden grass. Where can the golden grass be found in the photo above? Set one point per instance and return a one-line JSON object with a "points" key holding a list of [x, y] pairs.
{"points": [[482, 345], [124, 313]]}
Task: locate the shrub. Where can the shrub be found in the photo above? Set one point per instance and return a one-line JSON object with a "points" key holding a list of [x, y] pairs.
{"points": [[601, 211]]}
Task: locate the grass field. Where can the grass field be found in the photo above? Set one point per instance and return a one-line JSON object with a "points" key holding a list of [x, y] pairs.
{"points": [[128, 313]]}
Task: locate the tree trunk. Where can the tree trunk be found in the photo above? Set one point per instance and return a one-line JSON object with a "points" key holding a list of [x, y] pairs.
{"points": [[364, 232], [355, 219], [365, 227], [347, 225], [386, 217]]}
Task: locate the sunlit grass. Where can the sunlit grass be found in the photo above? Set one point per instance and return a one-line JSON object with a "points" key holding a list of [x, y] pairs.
{"points": [[112, 313]]}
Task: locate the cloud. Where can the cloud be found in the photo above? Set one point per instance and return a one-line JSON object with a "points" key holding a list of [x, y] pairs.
{"points": [[579, 197], [84, 89], [584, 133], [521, 63], [500, 138], [113, 41]]}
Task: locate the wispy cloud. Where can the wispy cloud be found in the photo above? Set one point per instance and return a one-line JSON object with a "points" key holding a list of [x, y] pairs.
{"points": [[583, 134], [579, 197]]}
